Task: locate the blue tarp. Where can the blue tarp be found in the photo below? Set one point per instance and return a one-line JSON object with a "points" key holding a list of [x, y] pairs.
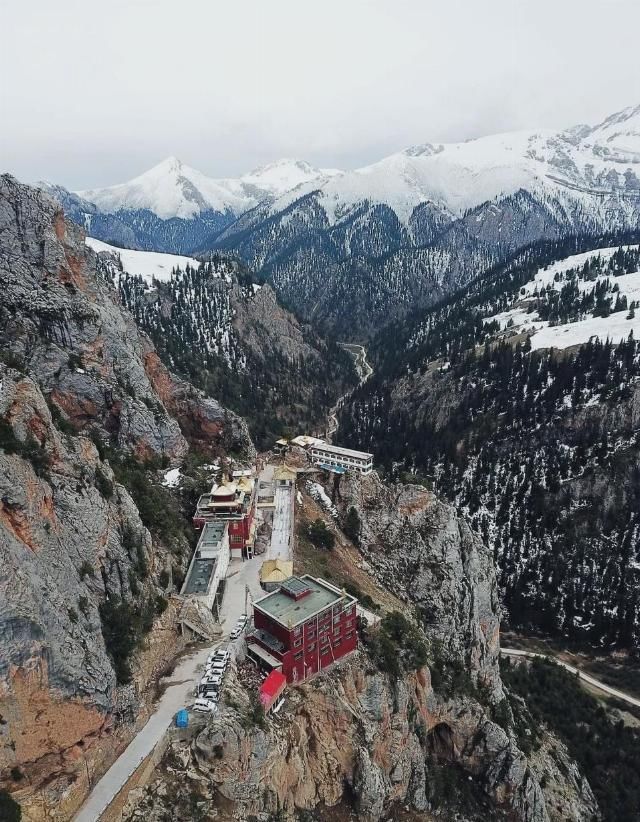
{"points": [[182, 718], [337, 469]]}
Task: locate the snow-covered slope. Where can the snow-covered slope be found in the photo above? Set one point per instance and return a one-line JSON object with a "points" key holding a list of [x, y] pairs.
{"points": [[169, 189], [461, 176], [525, 314], [284, 175], [173, 189], [150, 265], [618, 137]]}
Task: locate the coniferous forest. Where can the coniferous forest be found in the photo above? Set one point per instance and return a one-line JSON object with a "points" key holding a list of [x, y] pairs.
{"points": [[218, 328], [540, 449]]}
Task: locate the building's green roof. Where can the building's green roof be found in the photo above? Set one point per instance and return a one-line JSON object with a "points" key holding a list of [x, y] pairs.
{"points": [[286, 610]]}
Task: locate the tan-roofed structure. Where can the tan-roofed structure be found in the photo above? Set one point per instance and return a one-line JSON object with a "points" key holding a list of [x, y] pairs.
{"points": [[274, 572], [284, 475]]}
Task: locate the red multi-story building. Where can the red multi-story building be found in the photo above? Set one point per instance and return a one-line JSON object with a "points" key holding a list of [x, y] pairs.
{"points": [[233, 502], [303, 627]]}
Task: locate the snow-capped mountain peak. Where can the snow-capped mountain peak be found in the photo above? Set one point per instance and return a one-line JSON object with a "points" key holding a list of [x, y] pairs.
{"points": [[617, 138], [169, 189], [173, 189], [286, 174]]}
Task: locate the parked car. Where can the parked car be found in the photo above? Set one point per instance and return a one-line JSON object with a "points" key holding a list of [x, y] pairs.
{"points": [[205, 706], [220, 653], [210, 682]]}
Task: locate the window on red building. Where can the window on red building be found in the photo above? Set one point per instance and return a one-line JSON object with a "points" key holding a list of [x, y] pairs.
{"points": [[298, 655]]}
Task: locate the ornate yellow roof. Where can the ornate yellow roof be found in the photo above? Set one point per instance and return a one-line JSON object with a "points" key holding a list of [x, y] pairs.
{"points": [[276, 570]]}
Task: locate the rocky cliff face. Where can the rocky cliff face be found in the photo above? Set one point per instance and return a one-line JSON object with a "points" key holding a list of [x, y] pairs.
{"points": [[62, 321], [429, 557], [429, 741], [73, 364]]}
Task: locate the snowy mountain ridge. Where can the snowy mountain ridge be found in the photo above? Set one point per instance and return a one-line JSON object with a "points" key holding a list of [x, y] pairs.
{"points": [[356, 249], [173, 189], [461, 176]]}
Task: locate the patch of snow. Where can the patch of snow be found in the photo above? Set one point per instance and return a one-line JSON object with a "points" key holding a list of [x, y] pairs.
{"points": [[172, 478], [616, 327], [149, 265], [320, 496]]}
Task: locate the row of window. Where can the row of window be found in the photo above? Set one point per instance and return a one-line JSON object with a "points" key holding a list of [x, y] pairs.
{"points": [[324, 643], [322, 622], [311, 636], [324, 650]]}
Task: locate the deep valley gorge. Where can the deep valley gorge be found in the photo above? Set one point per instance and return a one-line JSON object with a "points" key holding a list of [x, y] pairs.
{"points": [[308, 480]]}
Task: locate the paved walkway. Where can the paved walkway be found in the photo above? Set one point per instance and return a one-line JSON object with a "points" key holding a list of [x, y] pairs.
{"points": [[607, 689], [178, 693], [281, 546]]}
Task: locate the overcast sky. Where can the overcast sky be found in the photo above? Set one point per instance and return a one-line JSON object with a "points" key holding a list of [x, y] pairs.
{"points": [[94, 93]]}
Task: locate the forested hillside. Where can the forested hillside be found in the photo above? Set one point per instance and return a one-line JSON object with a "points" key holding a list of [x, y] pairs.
{"points": [[231, 338], [539, 448]]}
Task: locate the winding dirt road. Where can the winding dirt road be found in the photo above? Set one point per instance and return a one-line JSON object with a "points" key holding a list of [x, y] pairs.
{"points": [[364, 369], [595, 683]]}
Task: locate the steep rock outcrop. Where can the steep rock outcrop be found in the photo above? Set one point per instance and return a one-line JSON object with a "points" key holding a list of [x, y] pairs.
{"points": [[425, 554], [363, 737], [61, 544], [61, 319]]}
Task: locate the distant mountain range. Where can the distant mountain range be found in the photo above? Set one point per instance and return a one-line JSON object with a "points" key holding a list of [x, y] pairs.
{"points": [[177, 209], [351, 250]]}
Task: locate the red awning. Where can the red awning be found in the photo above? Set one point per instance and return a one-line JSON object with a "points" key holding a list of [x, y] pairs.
{"points": [[271, 688]]}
